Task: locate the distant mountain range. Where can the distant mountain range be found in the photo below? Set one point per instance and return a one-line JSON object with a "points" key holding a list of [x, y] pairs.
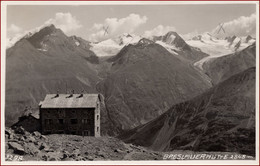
{"points": [[47, 60]]}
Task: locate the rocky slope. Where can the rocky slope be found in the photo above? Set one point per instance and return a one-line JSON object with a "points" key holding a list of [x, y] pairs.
{"points": [[219, 69], [144, 81], [45, 62], [221, 119], [37, 147]]}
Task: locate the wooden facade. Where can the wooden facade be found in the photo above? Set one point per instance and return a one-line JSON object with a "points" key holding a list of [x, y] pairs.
{"points": [[77, 114]]}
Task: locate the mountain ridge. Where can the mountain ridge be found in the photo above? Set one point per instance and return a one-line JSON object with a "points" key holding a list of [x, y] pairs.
{"points": [[216, 120]]}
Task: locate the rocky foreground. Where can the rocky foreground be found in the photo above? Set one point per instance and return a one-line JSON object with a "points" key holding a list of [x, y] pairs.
{"points": [[57, 147], [21, 145]]}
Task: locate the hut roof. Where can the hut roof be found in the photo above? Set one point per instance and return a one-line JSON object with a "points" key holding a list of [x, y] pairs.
{"points": [[70, 101]]}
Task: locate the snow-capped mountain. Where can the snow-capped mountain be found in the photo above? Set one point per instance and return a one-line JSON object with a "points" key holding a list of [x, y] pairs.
{"points": [[174, 43], [127, 38], [216, 47], [111, 47]]}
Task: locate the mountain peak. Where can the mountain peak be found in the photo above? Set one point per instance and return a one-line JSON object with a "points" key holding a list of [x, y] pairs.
{"points": [[248, 38], [39, 36], [173, 38], [50, 27], [126, 35], [171, 33], [145, 41], [126, 38]]}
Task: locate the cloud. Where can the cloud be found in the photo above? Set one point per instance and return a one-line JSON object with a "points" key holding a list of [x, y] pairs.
{"points": [[159, 31], [14, 33], [242, 26], [14, 29], [65, 21], [116, 26]]}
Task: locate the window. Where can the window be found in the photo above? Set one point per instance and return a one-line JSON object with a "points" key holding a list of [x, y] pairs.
{"points": [[61, 121], [86, 121], [74, 121], [97, 117], [60, 112], [97, 129], [48, 121]]}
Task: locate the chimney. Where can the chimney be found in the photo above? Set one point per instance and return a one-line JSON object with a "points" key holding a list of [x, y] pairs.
{"points": [[57, 94], [81, 95], [72, 92]]}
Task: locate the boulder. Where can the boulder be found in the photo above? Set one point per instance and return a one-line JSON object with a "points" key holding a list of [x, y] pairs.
{"points": [[9, 133], [117, 150], [64, 156], [52, 159], [48, 149], [44, 157], [89, 158], [19, 130], [21, 139], [37, 134], [43, 137], [44, 146], [18, 149], [31, 149]]}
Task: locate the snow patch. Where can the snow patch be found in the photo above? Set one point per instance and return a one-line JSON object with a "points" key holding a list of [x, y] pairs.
{"points": [[171, 48], [77, 43], [170, 39], [42, 49]]}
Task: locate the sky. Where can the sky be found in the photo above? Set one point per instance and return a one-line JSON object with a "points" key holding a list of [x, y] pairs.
{"points": [[88, 21]]}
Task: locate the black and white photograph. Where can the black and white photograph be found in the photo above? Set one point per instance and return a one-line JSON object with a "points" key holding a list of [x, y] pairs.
{"points": [[129, 82]]}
